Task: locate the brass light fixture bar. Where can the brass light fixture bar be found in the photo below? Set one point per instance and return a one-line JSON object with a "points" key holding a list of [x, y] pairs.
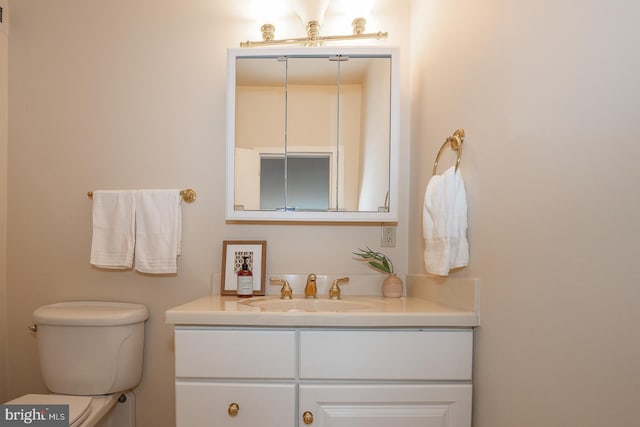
{"points": [[313, 35]]}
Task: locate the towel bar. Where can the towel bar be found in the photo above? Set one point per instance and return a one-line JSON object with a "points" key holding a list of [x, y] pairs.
{"points": [[188, 195], [455, 141]]}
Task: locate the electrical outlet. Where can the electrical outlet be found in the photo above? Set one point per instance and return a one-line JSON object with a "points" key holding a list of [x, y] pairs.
{"points": [[388, 237]]}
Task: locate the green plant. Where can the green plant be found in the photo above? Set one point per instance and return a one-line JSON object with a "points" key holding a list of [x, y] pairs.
{"points": [[376, 260]]}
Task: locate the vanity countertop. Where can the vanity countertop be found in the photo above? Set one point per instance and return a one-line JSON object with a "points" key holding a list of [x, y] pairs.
{"points": [[215, 310]]}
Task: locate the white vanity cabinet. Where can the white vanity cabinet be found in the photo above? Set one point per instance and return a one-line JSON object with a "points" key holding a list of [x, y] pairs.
{"points": [[235, 377], [386, 377], [389, 405], [292, 377]]}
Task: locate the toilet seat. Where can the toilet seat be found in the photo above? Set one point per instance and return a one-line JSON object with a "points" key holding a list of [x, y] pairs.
{"points": [[79, 406]]}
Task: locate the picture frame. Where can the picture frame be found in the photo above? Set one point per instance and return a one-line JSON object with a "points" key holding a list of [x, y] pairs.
{"points": [[233, 252]]}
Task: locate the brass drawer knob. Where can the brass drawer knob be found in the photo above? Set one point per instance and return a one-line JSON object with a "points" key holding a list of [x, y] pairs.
{"points": [[307, 417], [233, 409]]}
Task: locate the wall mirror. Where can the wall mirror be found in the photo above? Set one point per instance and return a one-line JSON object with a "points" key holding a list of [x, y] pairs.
{"points": [[312, 134]]}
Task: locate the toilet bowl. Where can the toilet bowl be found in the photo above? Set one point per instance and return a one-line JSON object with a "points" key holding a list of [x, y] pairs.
{"points": [[91, 356]]}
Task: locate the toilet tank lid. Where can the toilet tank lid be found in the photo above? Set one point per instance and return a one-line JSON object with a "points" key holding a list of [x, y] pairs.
{"points": [[90, 313]]}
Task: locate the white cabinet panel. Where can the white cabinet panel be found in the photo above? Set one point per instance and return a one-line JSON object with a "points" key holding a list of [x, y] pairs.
{"points": [[344, 377], [386, 355], [439, 405], [206, 404], [234, 353]]}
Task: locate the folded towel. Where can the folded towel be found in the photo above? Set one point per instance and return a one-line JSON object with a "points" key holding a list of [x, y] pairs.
{"points": [[444, 223], [113, 229], [158, 231]]}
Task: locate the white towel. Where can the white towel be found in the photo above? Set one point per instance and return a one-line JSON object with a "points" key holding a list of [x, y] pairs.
{"points": [[113, 229], [444, 223], [158, 231]]}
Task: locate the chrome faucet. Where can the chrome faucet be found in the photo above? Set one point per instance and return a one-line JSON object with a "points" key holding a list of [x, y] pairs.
{"points": [[334, 291], [311, 290]]}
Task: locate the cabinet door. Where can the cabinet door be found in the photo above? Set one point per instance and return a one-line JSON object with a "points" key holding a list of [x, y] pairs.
{"points": [[437, 405], [206, 404]]}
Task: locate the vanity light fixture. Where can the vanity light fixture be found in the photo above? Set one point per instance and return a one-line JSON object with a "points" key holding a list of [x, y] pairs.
{"points": [[313, 35]]}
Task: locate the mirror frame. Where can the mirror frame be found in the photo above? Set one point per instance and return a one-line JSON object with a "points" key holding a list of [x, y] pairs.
{"points": [[390, 216]]}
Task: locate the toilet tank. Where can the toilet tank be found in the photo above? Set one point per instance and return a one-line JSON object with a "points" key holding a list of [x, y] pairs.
{"points": [[90, 347]]}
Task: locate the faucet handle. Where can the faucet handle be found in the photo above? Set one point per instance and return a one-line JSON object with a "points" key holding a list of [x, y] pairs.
{"points": [[334, 291], [285, 291]]}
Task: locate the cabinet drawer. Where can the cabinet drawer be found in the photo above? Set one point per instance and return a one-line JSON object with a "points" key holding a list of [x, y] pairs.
{"points": [[206, 404], [432, 405], [386, 355], [231, 353]]}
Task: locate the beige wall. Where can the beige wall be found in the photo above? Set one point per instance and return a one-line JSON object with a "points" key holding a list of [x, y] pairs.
{"points": [[548, 95], [131, 94], [4, 50]]}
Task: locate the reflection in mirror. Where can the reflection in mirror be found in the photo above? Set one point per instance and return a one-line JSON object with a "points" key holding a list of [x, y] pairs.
{"points": [[312, 133], [306, 184], [367, 142], [260, 123]]}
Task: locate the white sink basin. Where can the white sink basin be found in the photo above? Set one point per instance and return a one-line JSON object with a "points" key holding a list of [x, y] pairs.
{"points": [[312, 305]]}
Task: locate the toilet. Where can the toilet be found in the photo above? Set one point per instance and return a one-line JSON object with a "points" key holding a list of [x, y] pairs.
{"points": [[90, 358]]}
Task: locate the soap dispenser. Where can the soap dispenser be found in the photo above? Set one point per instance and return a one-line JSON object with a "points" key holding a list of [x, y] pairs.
{"points": [[245, 281]]}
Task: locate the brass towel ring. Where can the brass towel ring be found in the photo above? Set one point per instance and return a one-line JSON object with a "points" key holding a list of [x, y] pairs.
{"points": [[455, 141]]}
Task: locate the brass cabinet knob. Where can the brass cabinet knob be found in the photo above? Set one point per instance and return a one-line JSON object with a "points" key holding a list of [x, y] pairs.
{"points": [[307, 417], [233, 409]]}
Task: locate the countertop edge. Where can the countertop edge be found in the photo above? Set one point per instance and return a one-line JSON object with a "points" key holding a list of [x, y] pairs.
{"points": [[183, 315]]}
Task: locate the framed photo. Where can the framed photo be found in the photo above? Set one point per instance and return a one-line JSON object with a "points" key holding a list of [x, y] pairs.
{"points": [[233, 254]]}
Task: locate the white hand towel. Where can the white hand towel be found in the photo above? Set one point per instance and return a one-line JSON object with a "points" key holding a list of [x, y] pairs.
{"points": [[113, 241], [158, 231], [444, 223]]}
